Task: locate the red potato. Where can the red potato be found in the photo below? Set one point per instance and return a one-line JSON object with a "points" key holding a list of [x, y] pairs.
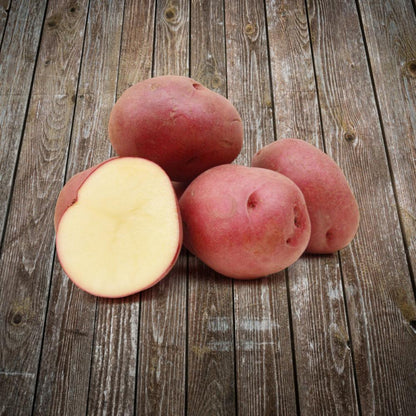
{"points": [[118, 227], [244, 222], [331, 204], [178, 124]]}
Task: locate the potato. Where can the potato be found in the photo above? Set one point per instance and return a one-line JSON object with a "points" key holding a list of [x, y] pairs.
{"points": [[178, 124], [244, 222], [332, 207], [118, 227]]}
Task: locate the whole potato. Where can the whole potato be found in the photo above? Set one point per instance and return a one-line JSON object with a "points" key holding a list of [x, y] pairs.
{"points": [[177, 123], [244, 222], [332, 207]]}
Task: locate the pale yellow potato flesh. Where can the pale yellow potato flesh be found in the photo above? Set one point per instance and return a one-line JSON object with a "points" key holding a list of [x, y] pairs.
{"points": [[122, 233]]}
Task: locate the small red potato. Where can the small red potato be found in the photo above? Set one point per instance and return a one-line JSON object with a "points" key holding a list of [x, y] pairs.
{"points": [[118, 227], [177, 123], [332, 207], [244, 222]]}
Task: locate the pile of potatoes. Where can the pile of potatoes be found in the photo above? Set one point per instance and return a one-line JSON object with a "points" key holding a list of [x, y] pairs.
{"points": [[243, 222]]}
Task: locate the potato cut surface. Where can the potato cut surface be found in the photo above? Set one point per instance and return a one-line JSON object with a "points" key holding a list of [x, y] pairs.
{"points": [[122, 233]]}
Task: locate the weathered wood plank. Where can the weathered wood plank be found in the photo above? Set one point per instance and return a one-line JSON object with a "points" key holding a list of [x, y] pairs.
{"points": [[64, 381], [19, 46], [137, 44], [27, 255], [392, 55], [208, 60], [4, 14], [325, 373], [113, 371], [172, 38], [210, 380], [162, 345], [247, 56], [265, 379], [374, 268], [162, 336]]}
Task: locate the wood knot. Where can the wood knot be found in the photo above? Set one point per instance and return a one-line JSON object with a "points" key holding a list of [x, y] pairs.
{"points": [[282, 11], [17, 318], [216, 81], [54, 20], [170, 13], [250, 29], [411, 68], [349, 136], [87, 96]]}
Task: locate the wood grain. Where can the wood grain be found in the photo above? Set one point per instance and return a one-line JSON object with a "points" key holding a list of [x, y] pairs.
{"points": [[112, 386], [210, 378], [325, 371], [264, 373], [392, 55], [136, 51], [210, 381], [27, 252], [172, 38], [265, 377], [161, 387], [4, 14], [374, 269], [19, 46], [162, 345], [324, 367], [247, 59], [208, 60]]}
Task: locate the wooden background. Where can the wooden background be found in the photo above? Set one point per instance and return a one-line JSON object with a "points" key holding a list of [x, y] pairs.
{"points": [[331, 335]]}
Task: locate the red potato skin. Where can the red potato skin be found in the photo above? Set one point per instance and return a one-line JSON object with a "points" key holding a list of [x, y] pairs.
{"points": [[69, 195], [244, 222], [177, 123], [332, 207]]}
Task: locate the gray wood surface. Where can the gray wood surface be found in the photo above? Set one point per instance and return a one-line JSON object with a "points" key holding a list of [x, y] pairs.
{"points": [[392, 59], [374, 268], [4, 14], [331, 335], [19, 46]]}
